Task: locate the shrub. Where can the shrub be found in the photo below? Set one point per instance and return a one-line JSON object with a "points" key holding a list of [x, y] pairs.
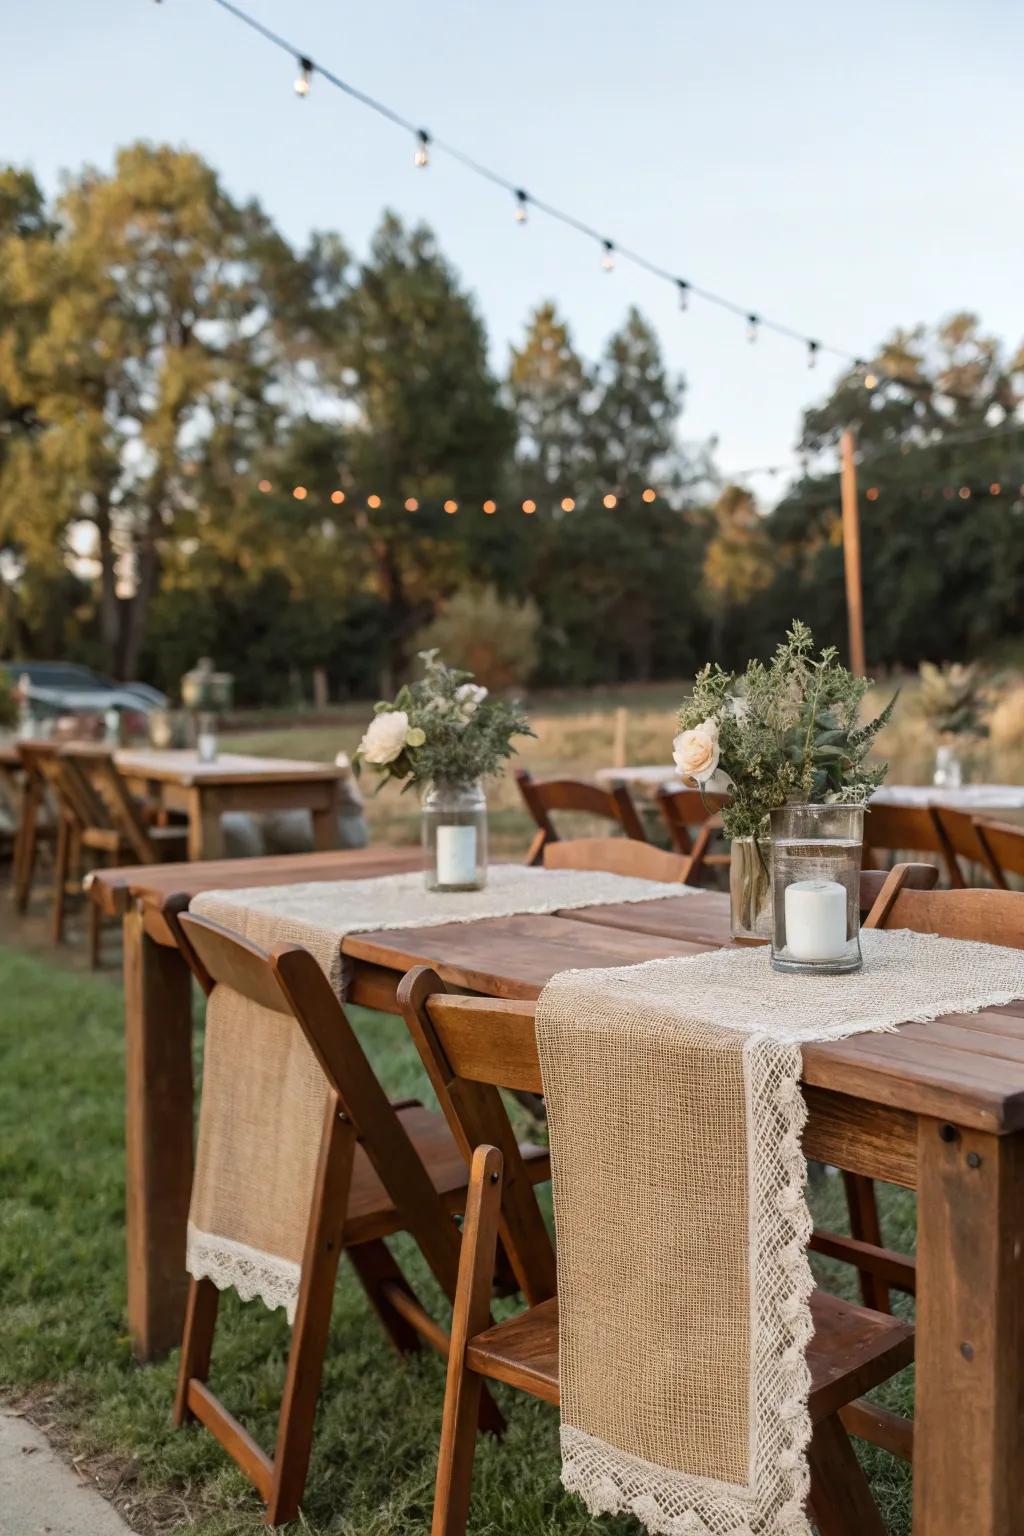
{"points": [[493, 637]]}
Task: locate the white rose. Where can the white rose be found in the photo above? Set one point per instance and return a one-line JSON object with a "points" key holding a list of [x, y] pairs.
{"points": [[469, 697], [385, 737], [696, 752]]}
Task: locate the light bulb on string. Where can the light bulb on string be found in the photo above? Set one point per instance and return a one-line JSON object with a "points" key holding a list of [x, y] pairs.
{"points": [[521, 202], [812, 353], [608, 259], [752, 324], [304, 79], [683, 288], [421, 158], [870, 380]]}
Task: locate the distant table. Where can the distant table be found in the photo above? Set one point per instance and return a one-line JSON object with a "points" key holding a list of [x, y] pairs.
{"points": [[178, 781], [647, 778]]}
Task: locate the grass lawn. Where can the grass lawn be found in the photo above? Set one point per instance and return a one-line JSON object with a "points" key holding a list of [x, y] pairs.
{"points": [[64, 1353]]}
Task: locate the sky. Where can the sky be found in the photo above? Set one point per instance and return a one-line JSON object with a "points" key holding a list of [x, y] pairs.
{"points": [[842, 169]]}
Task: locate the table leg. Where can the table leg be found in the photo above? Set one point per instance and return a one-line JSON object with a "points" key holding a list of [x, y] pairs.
{"points": [[158, 1130], [205, 833], [325, 823], [969, 1421], [25, 855]]}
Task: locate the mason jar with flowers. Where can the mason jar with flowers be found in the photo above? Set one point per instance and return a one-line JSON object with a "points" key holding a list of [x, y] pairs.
{"points": [[782, 733], [443, 735]]}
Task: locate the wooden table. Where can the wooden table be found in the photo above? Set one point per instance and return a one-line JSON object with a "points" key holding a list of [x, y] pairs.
{"points": [[934, 1107], [180, 782]]}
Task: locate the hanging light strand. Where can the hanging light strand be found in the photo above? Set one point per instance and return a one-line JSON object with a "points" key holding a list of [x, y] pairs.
{"points": [[427, 141]]}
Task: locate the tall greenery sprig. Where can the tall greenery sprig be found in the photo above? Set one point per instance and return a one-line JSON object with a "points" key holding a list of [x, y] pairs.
{"points": [[442, 729], [787, 731]]}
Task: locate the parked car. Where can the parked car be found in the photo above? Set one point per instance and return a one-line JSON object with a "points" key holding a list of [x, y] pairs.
{"points": [[54, 689]]}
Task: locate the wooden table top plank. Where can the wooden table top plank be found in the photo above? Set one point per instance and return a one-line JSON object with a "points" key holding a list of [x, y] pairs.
{"points": [[512, 957], [702, 917], [182, 766]]}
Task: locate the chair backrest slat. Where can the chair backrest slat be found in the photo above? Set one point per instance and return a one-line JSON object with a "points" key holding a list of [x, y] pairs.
{"points": [[542, 796], [959, 829], [685, 809], [113, 802], [619, 856], [1003, 845], [989, 917], [910, 828], [466, 1079]]}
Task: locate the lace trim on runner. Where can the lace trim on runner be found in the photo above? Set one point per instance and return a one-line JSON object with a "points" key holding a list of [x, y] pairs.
{"points": [[254, 1275]]}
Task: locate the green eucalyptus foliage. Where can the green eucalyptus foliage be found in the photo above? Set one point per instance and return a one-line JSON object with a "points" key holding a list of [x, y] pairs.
{"points": [[788, 731], [459, 732]]}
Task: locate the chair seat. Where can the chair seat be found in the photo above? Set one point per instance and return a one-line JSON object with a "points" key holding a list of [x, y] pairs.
{"points": [[852, 1350], [371, 1211]]}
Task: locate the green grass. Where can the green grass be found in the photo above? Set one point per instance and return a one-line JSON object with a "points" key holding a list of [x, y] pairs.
{"points": [[65, 1356]]}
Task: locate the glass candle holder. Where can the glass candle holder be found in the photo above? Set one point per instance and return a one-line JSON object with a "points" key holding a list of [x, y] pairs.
{"points": [[454, 822], [206, 738], [816, 853]]}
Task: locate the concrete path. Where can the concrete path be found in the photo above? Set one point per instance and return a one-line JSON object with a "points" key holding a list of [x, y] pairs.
{"points": [[40, 1495]]}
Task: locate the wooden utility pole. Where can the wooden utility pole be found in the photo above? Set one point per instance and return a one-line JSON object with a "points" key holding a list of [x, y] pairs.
{"points": [[851, 554]]}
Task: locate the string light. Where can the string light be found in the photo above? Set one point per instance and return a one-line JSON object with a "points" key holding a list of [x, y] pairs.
{"points": [[871, 380], [265, 486], [529, 507], [812, 354], [561, 215], [568, 505], [411, 504], [451, 506], [683, 289], [995, 488], [873, 493], [337, 497], [610, 501], [373, 501], [490, 507], [649, 495], [304, 79], [300, 493], [752, 324], [965, 493]]}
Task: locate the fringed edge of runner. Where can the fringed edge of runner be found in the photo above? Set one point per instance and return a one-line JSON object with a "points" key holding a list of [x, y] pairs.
{"points": [[254, 1275]]}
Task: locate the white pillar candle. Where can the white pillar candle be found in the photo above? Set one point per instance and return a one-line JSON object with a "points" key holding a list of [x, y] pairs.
{"points": [[815, 919], [456, 855]]}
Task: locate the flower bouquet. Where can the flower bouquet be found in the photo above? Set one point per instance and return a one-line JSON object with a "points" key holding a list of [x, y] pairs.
{"points": [[781, 732], [953, 699], [443, 735]]}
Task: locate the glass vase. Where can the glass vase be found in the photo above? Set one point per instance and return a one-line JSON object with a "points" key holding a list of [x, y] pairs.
{"points": [[206, 738], [816, 853], [454, 821], [750, 890], [949, 773]]}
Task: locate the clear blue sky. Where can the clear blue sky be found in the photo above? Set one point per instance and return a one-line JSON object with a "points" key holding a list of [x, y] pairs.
{"points": [[845, 168]]}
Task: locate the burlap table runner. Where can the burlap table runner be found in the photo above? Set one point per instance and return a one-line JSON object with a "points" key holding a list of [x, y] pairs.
{"points": [[675, 1115], [264, 1096]]}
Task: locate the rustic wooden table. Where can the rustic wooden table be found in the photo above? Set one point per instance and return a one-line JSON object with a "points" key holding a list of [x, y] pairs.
{"points": [[180, 782], [934, 1107]]}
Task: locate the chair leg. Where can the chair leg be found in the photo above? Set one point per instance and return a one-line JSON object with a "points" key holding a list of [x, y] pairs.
{"points": [[312, 1317], [865, 1225], [95, 934], [535, 852], [196, 1343], [841, 1501], [470, 1316], [377, 1269], [60, 878]]}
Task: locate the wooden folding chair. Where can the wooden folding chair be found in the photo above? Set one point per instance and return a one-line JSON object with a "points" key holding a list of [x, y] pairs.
{"points": [[909, 829], [1002, 844], [620, 856], [99, 820], [543, 796], [989, 916], [383, 1168], [472, 1047], [959, 832], [694, 821], [37, 818]]}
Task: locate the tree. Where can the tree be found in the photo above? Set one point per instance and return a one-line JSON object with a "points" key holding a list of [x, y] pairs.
{"points": [[159, 296], [429, 424], [737, 564]]}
